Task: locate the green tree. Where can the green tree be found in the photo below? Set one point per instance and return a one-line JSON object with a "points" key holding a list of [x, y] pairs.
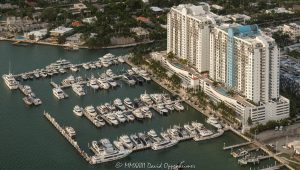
{"points": [[61, 39]]}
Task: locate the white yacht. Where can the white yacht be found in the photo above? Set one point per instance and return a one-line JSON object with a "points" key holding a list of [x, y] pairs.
{"points": [[135, 69], [146, 98], [70, 131], [10, 81], [73, 68], [146, 111], [161, 109], [130, 72], [126, 141], [86, 66], [78, 110], [93, 84], [37, 101], [120, 117], [214, 121], [91, 111], [173, 133], [128, 103], [138, 114], [78, 89], [145, 75], [110, 107], [128, 79], [110, 73], [163, 144], [69, 80], [103, 109], [191, 129], [157, 98], [105, 63], [112, 82], [111, 118], [129, 116], [109, 153], [59, 93], [103, 83], [98, 64], [206, 132], [98, 121], [120, 59], [119, 145], [169, 107], [152, 134], [178, 106], [198, 126], [118, 103], [92, 65]]}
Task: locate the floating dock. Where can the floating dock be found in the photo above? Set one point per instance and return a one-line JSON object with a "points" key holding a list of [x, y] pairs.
{"points": [[236, 146]]}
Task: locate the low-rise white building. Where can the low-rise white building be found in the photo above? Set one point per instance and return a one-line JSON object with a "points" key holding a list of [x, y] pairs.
{"points": [[217, 7], [61, 30], [279, 11], [293, 29], [38, 34], [89, 20]]}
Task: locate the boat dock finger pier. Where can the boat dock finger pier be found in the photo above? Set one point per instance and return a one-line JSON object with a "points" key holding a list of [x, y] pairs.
{"points": [[69, 138]]}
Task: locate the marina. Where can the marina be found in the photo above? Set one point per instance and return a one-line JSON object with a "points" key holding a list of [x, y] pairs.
{"points": [[207, 155]]}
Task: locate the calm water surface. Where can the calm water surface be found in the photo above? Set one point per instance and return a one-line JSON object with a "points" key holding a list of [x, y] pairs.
{"points": [[29, 141]]}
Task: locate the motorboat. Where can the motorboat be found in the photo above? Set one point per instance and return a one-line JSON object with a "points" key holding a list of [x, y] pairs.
{"points": [[78, 110], [118, 103], [205, 132], [163, 144], [110, 107], [86, 66], [103, 109], [152, 134], [136, 141], [112, 119], [112, 82], [145, 139], [93, 84], [135, 69], [92, 65], [103, 83], [119, 145], [69, 80], [157, 98], [98, 64], [146, 98], [74, 68], [98, 121], [146, 111], [120, 117], [173, 133], [214, 122], [138, 114], [144, 74], [198, 126], [10, 81], [110, 73], [59, 93], [162, 110], [126, 141], [128, 103], [190, 129], [91, 111], [128, 79], [78, 89], [130, 72], [178, 106], [70, 131], [62, 70], [120, 59], [28, 100], [165, 136], [37, 101], [129, 116], [109, 153]]}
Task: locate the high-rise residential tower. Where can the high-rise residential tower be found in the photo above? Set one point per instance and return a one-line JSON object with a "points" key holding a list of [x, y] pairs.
{"points": [[188, 33]]}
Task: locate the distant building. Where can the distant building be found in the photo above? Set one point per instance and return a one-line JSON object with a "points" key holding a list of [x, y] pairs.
{"points": [[240, 17], [76, 24], [74, 39], [279, 11], [38, 34], [139, 31], [156, 9], [144, 20], [217, 7], [89, 20], [8, 6], [61, 30], [293, 29]]}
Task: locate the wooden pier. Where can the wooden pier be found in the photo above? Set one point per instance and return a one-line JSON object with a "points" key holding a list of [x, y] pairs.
{"points": [[69, 138], [235, 146]]}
